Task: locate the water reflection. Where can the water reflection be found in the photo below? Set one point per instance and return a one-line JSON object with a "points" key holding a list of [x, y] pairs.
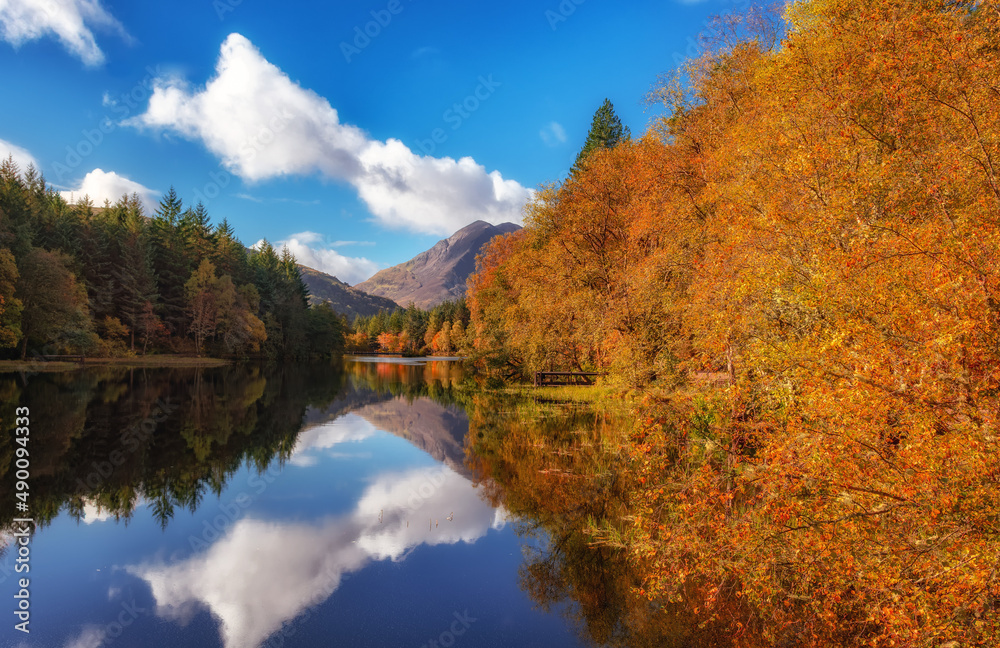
{"points": [[264, 573], [109, 438], [106, 439], [558, 469], [271, 485]]}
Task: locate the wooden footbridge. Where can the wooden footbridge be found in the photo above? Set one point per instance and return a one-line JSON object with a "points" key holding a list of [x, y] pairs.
{"points": [[545, 378]]}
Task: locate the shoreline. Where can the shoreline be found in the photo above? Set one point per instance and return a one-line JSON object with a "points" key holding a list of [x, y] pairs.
{"points": [[164, 361]]}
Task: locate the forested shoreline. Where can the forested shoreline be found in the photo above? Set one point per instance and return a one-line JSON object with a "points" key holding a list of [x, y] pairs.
{"points": [[795, 275], [113, 281], [413, 331]]}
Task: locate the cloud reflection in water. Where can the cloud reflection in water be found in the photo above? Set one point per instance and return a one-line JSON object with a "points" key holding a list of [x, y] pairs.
{"points": [[262, 574]]}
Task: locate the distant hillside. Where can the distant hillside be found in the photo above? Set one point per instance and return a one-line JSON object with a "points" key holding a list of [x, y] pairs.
{"points": [[341, 297], [438, 274]]}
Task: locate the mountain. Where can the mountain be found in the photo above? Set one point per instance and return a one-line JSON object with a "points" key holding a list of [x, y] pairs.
{"points": [[438, 274], [341, 297]]}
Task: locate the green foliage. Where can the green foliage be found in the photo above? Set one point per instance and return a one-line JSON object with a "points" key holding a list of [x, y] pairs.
{"points": [[325, 332], [606, 131], [54, 303], [68, 273], [10, 306], [416, 331]]}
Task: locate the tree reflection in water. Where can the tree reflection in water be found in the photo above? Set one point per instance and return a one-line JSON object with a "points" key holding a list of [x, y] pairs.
{"points": [[108, 438], [558, 470]]}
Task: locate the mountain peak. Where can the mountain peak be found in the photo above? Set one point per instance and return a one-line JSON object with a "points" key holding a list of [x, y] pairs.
{"points": [[341, 297], [439, 274]]}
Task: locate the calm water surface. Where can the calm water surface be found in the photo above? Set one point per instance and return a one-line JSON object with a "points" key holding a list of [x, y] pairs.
{"points": [[253, 506]]}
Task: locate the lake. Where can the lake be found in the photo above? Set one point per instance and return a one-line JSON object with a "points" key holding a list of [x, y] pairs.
{"points": [[301, 505]]}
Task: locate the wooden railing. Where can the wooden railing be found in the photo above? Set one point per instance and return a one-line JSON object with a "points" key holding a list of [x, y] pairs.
{"points": [[543, 378]]}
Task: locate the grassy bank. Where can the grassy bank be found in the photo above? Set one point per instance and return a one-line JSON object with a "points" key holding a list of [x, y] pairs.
{"points": [[153, 361]]}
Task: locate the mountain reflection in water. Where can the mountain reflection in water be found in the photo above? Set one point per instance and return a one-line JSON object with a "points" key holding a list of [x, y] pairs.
{"points": [[363, 503]]}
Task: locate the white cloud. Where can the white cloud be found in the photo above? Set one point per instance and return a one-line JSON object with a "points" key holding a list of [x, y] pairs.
{"points": [[21, 156], [347, 243], [309, 250], [263, 574], [70, 21], [263, 125], [90, 637], [553, 134], [102, 185], [93, 513], [345, 429]]}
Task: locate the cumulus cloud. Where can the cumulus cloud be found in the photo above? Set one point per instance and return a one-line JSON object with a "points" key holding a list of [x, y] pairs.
{"points": [[94, 513], [305, 562], [102, 185], [70, 21], [21, 156], [310, 250], [90, 637], [553, 134], [263, 125], [345, 429]]}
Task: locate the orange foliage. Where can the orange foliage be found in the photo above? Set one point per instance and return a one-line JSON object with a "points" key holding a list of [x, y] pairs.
{"points": [[820, 219]]}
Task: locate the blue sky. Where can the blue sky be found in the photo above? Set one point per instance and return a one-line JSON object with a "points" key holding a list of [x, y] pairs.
{"points": [[358, 133]]}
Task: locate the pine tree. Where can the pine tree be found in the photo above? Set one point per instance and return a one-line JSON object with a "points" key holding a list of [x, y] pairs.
{"points": [[229, 255], [170, 207], [606, 131], [196, 231], [171, 263]]}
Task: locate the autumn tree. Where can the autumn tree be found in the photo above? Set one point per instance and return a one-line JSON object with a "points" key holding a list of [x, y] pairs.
{"points": [[54, 304], [205, 295], [10, 306], [238, 327], [798, 267]]}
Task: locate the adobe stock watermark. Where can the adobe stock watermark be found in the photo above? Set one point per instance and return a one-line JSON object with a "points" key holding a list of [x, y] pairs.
{"points": [[232, 512], [427, 488], [459, 112], [250, 149], [363, 35], [461, 624], [105, 636], [694, 49], [562, 12], [120, 107], [223, 7]]}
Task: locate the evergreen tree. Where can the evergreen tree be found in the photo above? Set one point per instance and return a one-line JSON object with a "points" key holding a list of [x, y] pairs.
{"points": [[170, 207], [606, 131], [171, 263], [229, 255], [196, 231]]}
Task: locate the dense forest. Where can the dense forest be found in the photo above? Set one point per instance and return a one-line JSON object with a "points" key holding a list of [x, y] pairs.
{"points": [[796, 274], [114, 281], [412, 331]]}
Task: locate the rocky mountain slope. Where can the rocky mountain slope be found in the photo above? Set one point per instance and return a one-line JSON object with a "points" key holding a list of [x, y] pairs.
{"points": [[341, 297], [438, 274]]}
